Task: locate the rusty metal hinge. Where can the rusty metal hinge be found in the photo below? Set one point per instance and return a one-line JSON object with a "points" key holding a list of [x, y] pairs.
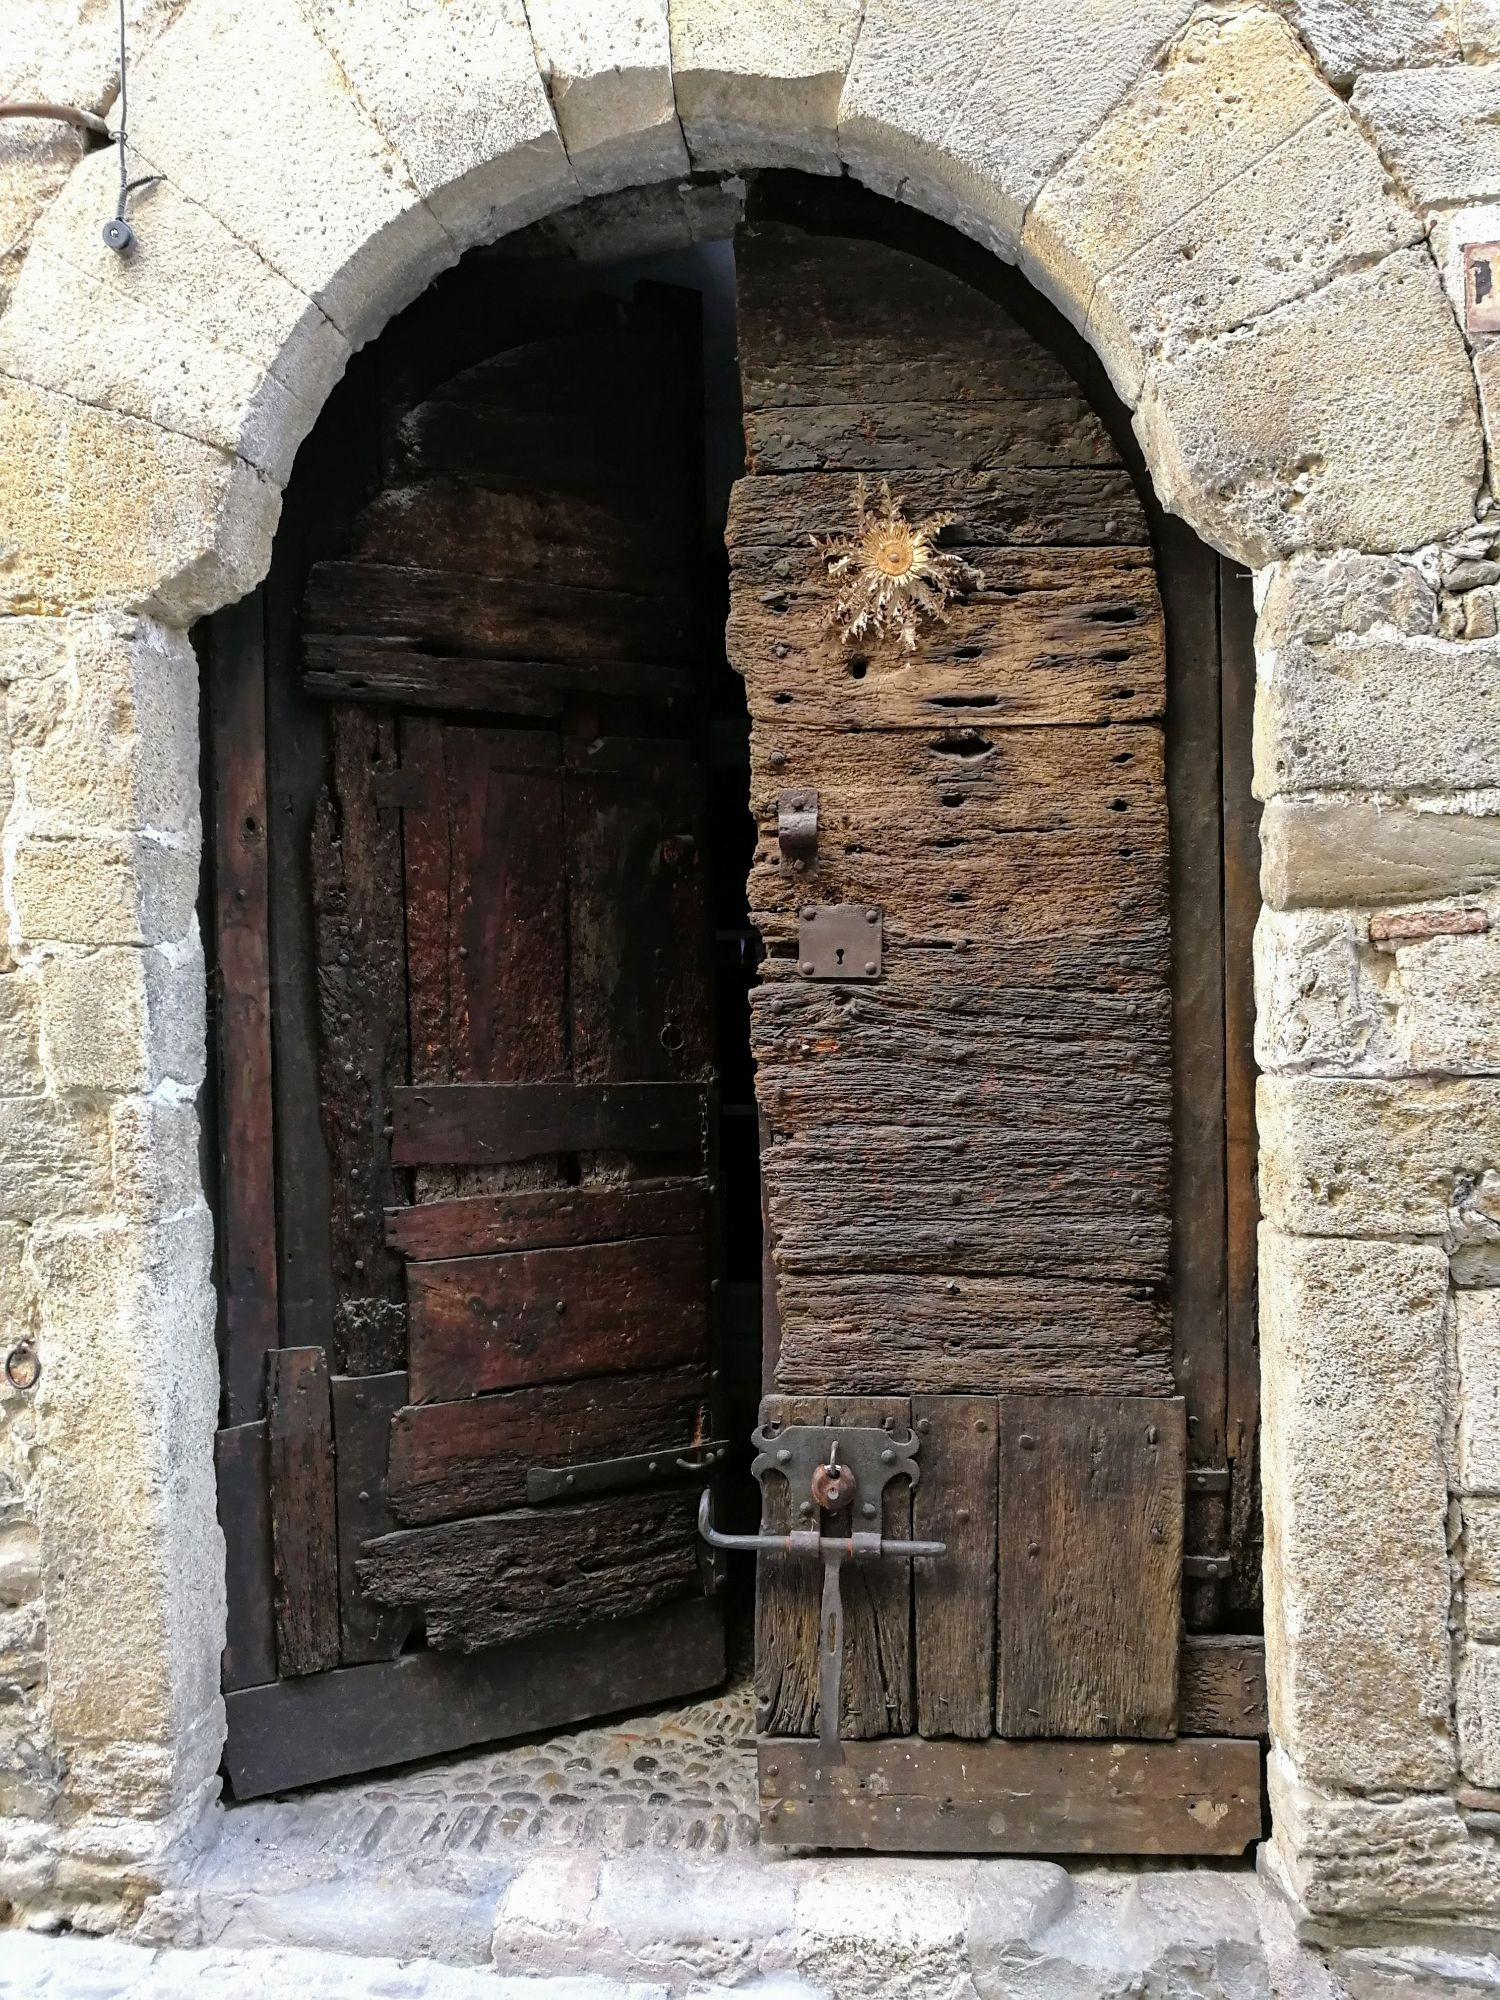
{"points": [[616, 1475], [797, 828]]}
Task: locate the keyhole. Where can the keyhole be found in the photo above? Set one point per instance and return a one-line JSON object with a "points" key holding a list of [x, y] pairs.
{"points": [[839, 954]]}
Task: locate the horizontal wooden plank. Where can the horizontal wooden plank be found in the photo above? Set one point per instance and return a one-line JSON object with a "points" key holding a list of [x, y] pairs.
{"points": [[405, 677], [548, 1218], [1199, 1795], [426, 1704], [446, 611], [471, 1457], [1222, 1685], [489, 1124], [895, 1332], [1025, 506], [895, 437], [531, 1316], [502, 1577]]}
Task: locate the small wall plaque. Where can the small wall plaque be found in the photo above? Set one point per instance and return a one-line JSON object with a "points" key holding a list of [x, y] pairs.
{"points": [[1482, 287]]}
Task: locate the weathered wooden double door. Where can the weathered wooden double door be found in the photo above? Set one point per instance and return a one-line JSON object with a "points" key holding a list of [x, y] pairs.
{"points": [[470, 1209]]}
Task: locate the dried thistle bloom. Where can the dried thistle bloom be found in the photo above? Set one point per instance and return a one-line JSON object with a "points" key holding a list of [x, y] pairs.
{"points": [[892, 571]]}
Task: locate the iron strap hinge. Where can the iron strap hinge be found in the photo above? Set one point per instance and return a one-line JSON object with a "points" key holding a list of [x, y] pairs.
{"points": [[613, 1475]]}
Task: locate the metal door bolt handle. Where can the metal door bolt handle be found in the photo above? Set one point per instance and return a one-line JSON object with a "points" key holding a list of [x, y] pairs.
{"points": [[808, 1541]]}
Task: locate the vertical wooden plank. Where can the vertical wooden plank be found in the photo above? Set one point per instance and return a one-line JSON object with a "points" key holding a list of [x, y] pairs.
{"points": [[363, 1406], [876, 1691], [1241, 909], [361, 953], [1090, 1536], [954, 1595], [1189, 579], [787, 1592], [247, 1187], [242, 1469], [304, 1535]]}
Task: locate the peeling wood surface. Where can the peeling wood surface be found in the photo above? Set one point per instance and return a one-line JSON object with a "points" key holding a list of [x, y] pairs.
{"points": [[1222, 1685], [547, 1218]]}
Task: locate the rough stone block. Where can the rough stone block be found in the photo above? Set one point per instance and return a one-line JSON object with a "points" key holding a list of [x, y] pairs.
{"points": [[1228, 181], [1438, 128], [1322, 995], [132, 1556], [102, 715], [1369, 851], [154, 1157], [1448, 1018], [608, 71], [20, 1563], [108, 888], [121, 1019], [1478, 1708], [453, 86], [1344, 1156], [1318, 598], [974, 141], [1477, 1324], [1480, 1557], [1348, 36], [1281, 436], [1353, 1344], [106, 508], [1378, 714], [54, 1159], [35, 162], [21, 1073], [280, 147], [882, 1927], [761, 88]]}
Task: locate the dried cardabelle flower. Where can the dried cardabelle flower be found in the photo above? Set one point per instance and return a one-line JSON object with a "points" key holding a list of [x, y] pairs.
{"points": [[892, 571]]}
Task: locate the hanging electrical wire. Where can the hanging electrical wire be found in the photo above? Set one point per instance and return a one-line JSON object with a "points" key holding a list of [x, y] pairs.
{"points": [[117, 232]]}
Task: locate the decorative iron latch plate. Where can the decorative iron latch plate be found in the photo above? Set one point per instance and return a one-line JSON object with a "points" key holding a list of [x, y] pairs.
{"points": [[843, 941]]}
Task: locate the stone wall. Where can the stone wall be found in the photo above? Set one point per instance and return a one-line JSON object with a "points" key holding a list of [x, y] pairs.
{"points": [[1256, 214]]}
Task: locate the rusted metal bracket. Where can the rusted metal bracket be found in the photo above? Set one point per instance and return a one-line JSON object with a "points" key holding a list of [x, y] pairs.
{"points": [[616, 1475], [829, 1469], [844, 941], [797, 828]]}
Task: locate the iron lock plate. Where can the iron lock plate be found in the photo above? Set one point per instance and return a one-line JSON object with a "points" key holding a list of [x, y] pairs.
{"points": [[844, 941]]}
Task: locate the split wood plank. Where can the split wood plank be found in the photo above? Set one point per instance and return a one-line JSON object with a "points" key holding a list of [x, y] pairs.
{"points": [[362, 1034], [875, 1688], [1222, 1685], [1090, 1537], [548, 1218], [1049, 637], [363, 1406], [530, 1316], [1024, 506], [1197, 1795], [500, 1577], [247, 1207], [406, 677], [428, 1704], [788, 1592], [242, 1471], [472, 1457], [954, 1595], [304, 1537], [483, 1124]]}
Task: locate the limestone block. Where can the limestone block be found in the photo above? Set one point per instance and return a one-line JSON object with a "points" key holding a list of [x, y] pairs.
{"points": [[453, 86], [104, 508], [1227, 182], [107, 888], [102, 715], [54, 1159], [1438, 128], [1318, 598], [154, 1158], [1348, 36], [70, 53], [118, 1019], [1480, 1556], [1479, 31], [886, 1927], [761, 87], [1369, 851], [1357, 1583], [1378, 714], [1346, 1156], [250, 115], [20, 1563], [132, 1558], [1448, 1018], [1356, 1857], [967, 109], [608, 71], [20, 1035], [1478, 1709], [1487, 375], [35, 162], [1477, 1326], [1281, 436], [1324, 998]]}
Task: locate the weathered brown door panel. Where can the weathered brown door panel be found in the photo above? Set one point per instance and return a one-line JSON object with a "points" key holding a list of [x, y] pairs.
{"points": [[548, 1218], [953, 1597], [1090, 1536]]}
